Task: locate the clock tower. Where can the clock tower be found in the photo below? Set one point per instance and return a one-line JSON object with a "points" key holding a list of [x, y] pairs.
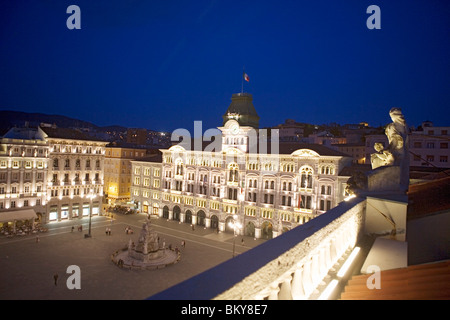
{"points": [[242, 110]]}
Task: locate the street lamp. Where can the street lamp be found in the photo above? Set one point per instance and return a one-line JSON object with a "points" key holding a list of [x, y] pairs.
{"points": [[235, 225], [91, 196]]}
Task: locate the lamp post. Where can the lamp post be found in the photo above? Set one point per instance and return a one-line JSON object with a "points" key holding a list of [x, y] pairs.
{"points": [[91, 196], [235, 225]]}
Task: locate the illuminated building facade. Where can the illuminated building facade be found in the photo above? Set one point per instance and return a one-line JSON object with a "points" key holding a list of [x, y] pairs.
{"points": [[117, 171], [24, 157], [245, 179], [75, 174]]}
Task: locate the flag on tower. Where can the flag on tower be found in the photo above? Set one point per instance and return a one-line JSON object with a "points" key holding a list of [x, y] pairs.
{"points": [[246, 77]]}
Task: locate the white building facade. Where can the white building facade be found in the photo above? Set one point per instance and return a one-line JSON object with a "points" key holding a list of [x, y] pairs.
{"points": [[264, 186], [24, 157], [75, 177]]}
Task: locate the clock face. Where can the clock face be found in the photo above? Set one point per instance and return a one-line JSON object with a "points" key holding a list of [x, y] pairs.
{"points": [[234, 129]]}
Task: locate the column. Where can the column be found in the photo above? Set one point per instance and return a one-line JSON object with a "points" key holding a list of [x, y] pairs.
{"points": [[207, 222], [297, 287], [285, 290], [322, 263], [274, 293], [307, 279], [328, 261], [315, 272], [257, 233]]}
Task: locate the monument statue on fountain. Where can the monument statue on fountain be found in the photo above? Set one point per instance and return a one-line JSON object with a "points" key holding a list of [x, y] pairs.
{"points": [[146, 254], [147, 247]]}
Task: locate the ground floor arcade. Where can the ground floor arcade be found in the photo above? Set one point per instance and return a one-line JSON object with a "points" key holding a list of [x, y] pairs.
{"points": [[256, 227]]}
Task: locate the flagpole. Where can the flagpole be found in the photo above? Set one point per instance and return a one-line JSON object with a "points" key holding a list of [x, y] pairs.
{"points": [[243, 73]]}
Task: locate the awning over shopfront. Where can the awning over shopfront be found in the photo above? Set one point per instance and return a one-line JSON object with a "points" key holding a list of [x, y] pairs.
{"points": [[9, 216]]}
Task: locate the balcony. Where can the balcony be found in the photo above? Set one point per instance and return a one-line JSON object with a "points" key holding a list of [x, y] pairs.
{"points": [[290, 266]]}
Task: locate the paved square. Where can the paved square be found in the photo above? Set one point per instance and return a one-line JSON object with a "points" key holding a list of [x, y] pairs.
{"points": [[27, 266]]}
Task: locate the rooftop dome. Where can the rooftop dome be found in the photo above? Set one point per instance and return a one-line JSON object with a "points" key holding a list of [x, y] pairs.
{"points": [[242, 110]]}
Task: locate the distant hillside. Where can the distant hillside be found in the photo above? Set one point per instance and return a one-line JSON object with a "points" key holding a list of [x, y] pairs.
{"points": [[10, 119]]}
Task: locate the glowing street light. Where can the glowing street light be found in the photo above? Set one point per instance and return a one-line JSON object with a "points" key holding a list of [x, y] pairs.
{"points": [[235, 225], [91, 196]]}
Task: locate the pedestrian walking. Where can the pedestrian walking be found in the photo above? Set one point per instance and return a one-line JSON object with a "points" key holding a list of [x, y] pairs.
{"points": [[55, 278], [37, 239], [242, 241], [183, 243], [73, 228]]}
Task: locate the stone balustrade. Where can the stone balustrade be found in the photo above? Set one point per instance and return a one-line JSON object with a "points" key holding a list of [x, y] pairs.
{"points": [[290, 266]]}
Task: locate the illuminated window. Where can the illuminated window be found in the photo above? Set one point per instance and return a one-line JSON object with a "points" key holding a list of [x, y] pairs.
{"points": [[233, 172]]}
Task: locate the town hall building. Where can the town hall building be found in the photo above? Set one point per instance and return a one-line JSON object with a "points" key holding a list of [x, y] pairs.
{"points": [[249, 183]]}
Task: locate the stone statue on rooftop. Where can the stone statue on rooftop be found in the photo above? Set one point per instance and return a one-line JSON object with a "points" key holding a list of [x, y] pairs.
{"points": [[390, 166], [381, 157]]}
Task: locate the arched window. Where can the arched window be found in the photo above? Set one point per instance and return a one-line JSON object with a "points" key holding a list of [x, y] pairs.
{"points": [[179, 167], [306, 177], [233, 172]]}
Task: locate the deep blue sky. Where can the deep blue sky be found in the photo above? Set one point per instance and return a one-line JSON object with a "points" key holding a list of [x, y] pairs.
{"points": [[164, 64]]}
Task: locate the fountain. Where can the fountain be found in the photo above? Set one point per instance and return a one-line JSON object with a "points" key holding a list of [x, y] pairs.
{"points": [[146, 254]]}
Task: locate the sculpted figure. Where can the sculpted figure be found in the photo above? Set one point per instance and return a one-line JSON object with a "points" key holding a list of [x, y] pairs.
{"points": [[381, 157], [390, 166], [397, 134]]}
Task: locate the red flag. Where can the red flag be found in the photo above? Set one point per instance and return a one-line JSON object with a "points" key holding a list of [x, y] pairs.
{"points": [[299, 200], [246, 77]]}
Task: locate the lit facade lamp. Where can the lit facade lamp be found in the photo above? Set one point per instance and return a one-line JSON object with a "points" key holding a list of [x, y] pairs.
{"points": [[91, 196], [235, 225]]}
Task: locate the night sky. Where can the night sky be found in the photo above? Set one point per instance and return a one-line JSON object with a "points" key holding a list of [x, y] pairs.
{"points": [[164, 64]]}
